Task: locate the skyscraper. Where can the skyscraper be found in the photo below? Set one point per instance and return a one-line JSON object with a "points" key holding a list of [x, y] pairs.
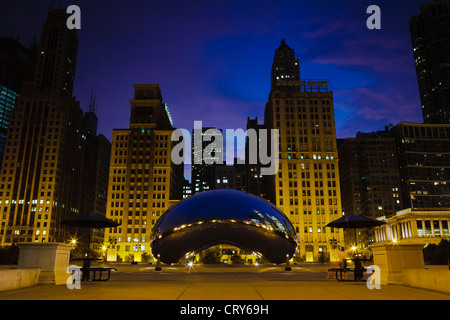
{"points": [[424, 165], [254, 181], [95, 176], [285, 66], [57, 55], [306, 187], [430, 35], [423, 148], [369, 179], [43, 158], [143, 180], [17, 66], [204, 163], [369, 174]]}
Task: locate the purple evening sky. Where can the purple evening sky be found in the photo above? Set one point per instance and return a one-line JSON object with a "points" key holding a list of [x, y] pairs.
{"points": [[212, 59]]}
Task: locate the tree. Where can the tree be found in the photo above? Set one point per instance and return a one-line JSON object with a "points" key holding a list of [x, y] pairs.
{"points": [[210, 256], [428, 252], [237, 259], [145, 257], [442, 252], [9, 255]]}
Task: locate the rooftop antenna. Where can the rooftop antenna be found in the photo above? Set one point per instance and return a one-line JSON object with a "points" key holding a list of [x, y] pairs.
{"points": [[95, 106], [92, 106], [52, 2]]}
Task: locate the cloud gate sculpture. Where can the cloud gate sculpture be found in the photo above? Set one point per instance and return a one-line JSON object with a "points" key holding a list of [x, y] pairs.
{"points": [[223, 217]]}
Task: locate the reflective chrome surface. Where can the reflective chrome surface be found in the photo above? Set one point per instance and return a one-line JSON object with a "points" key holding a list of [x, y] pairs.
{"points": [[223, 217]]}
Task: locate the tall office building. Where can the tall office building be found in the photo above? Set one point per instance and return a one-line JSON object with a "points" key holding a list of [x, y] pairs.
{"points": [[43, 158], [143, 180], [254, 180], [95, 177], [306, 187], [17, 65], [369, 175], [369, 179], [430, 35], [204, 160], [187, 188], [230, 176], [57, 55], [424, 164]]}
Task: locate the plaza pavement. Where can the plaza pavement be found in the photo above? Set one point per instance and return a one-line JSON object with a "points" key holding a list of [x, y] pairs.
{"points": [[142, 282]]}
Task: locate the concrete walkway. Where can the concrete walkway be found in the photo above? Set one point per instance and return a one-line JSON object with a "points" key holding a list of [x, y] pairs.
{"points": [[141, 282]]}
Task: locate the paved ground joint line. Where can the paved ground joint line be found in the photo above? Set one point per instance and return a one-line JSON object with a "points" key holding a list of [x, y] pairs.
{"points": [[258, 293], [178, 298]]}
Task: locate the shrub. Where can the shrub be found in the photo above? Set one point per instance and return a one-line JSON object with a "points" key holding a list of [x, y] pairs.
{"points": [[9, 255], [442, 252], [437, 254]]}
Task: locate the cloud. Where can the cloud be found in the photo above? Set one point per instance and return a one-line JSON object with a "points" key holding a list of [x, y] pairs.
{"points": [[371, 108]]}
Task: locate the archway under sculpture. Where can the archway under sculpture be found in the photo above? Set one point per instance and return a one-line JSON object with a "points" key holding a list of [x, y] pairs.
{"points": [[223, 217]]}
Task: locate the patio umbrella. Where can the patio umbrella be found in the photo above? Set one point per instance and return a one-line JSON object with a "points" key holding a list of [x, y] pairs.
{"points": [[89, 221], [354, 221]]}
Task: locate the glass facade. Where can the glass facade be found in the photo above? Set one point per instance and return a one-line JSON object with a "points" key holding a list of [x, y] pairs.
{"points": [[8, 100]]}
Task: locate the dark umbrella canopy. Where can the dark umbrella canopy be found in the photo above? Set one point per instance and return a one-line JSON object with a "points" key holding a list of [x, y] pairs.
{"points": [[354, 221], [90, 220]]}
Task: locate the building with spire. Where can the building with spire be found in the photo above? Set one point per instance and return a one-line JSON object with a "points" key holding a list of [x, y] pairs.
{"points": [[91, 116], [95, 174], [306, 187]]}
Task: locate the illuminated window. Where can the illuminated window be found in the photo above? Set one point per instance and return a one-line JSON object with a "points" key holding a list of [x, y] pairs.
{"points": [[445, 228], [420, 228]]}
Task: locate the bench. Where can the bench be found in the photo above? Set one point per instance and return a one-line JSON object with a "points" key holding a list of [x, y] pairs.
{"points": [[358, 273], [96, 271], [338, 272]]}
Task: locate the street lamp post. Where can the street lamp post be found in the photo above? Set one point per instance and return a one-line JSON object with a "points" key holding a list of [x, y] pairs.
{"points": [[158, 263], [288, 264]]}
